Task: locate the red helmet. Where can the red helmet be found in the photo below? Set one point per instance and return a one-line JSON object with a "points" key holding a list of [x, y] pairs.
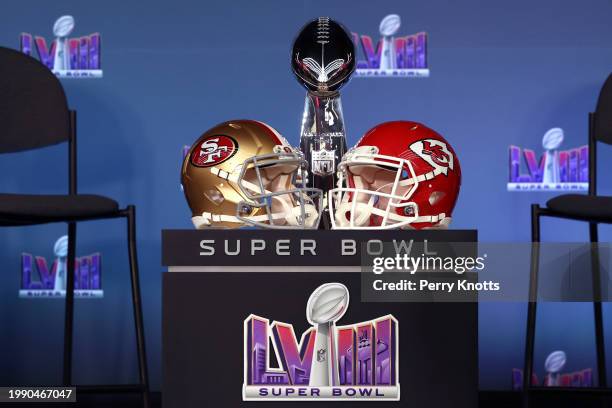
{"points": [[399, 175]]}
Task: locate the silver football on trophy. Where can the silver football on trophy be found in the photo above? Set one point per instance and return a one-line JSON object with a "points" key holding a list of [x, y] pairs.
{"points": [[323, 55], [552, 139], [60, 249], [327, 303], [555, 361], [63, 26], [389, 25]]}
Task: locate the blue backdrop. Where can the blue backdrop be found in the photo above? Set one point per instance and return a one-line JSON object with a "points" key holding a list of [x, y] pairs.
{"points": [[501, 73]]}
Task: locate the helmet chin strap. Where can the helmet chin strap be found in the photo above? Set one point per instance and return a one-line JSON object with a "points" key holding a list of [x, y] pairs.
{"points": [[292, 217], [290, 214], [293, 214], [208, 219]]}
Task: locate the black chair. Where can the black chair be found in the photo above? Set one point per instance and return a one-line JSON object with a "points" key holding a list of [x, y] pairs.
{"points": [[590, 208], [34, 113]]}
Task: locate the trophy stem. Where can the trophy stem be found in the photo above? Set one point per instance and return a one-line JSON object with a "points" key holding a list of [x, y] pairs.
{"points": [[60, 275], [323, 371], [388, 54], [323, 138], [323, 142], [551, 167], [61, 60]]}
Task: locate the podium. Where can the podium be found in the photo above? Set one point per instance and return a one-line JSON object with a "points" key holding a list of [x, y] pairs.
{"points": [[235, 330]]}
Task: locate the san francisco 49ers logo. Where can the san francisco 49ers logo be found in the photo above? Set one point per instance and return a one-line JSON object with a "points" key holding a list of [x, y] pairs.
{"points": [[434, 152], [213, 150]]}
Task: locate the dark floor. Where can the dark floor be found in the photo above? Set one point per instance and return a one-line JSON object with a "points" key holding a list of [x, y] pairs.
{"points": [[97, 401], [563, 399]]}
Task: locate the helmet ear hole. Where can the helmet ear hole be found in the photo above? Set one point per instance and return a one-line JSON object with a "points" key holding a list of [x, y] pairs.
{"points": [[436, 196], [409, 211], [245, 210], [215, 196]]}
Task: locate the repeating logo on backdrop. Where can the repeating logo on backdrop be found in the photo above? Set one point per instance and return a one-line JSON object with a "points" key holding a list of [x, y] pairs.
{"points": [[554, 377], [394, 56], [214, 150], [557, 170], [352, 362], [77, 57], [40, 280]]}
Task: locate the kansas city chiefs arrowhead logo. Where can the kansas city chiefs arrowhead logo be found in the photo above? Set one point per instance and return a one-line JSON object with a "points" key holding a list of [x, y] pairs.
{"points": [[213, 150], [434, 152]]}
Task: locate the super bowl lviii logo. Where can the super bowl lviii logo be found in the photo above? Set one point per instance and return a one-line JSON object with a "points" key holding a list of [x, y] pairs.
{"points": [[557, 170], [38, 279], [554, 364], [77, 57], [352, 362], [394, 56]]}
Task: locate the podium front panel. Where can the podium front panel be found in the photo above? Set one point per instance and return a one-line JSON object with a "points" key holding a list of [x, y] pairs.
{"points": [[211, 312]]}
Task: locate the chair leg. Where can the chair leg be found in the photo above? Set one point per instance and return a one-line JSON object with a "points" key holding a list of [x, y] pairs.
{"points": [[597, 309], [137, 304], [69, 311], [532, 303]]}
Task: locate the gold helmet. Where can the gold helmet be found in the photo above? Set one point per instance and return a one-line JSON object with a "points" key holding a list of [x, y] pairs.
{"points": [[243, 172]]}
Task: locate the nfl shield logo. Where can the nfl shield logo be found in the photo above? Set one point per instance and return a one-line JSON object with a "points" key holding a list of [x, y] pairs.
{"points": [[321, 355], [323, 161]]}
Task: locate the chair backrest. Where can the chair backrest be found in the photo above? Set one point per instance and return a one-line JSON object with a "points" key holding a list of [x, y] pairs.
{"points": [[602, 131], [33, 107]]}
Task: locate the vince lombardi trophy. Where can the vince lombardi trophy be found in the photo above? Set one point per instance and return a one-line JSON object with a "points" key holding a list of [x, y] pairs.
{"points": [[323, 59], [62, 29], [553, 365], [388, 27], [60, 249], [550, 142], [326, 305]]}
